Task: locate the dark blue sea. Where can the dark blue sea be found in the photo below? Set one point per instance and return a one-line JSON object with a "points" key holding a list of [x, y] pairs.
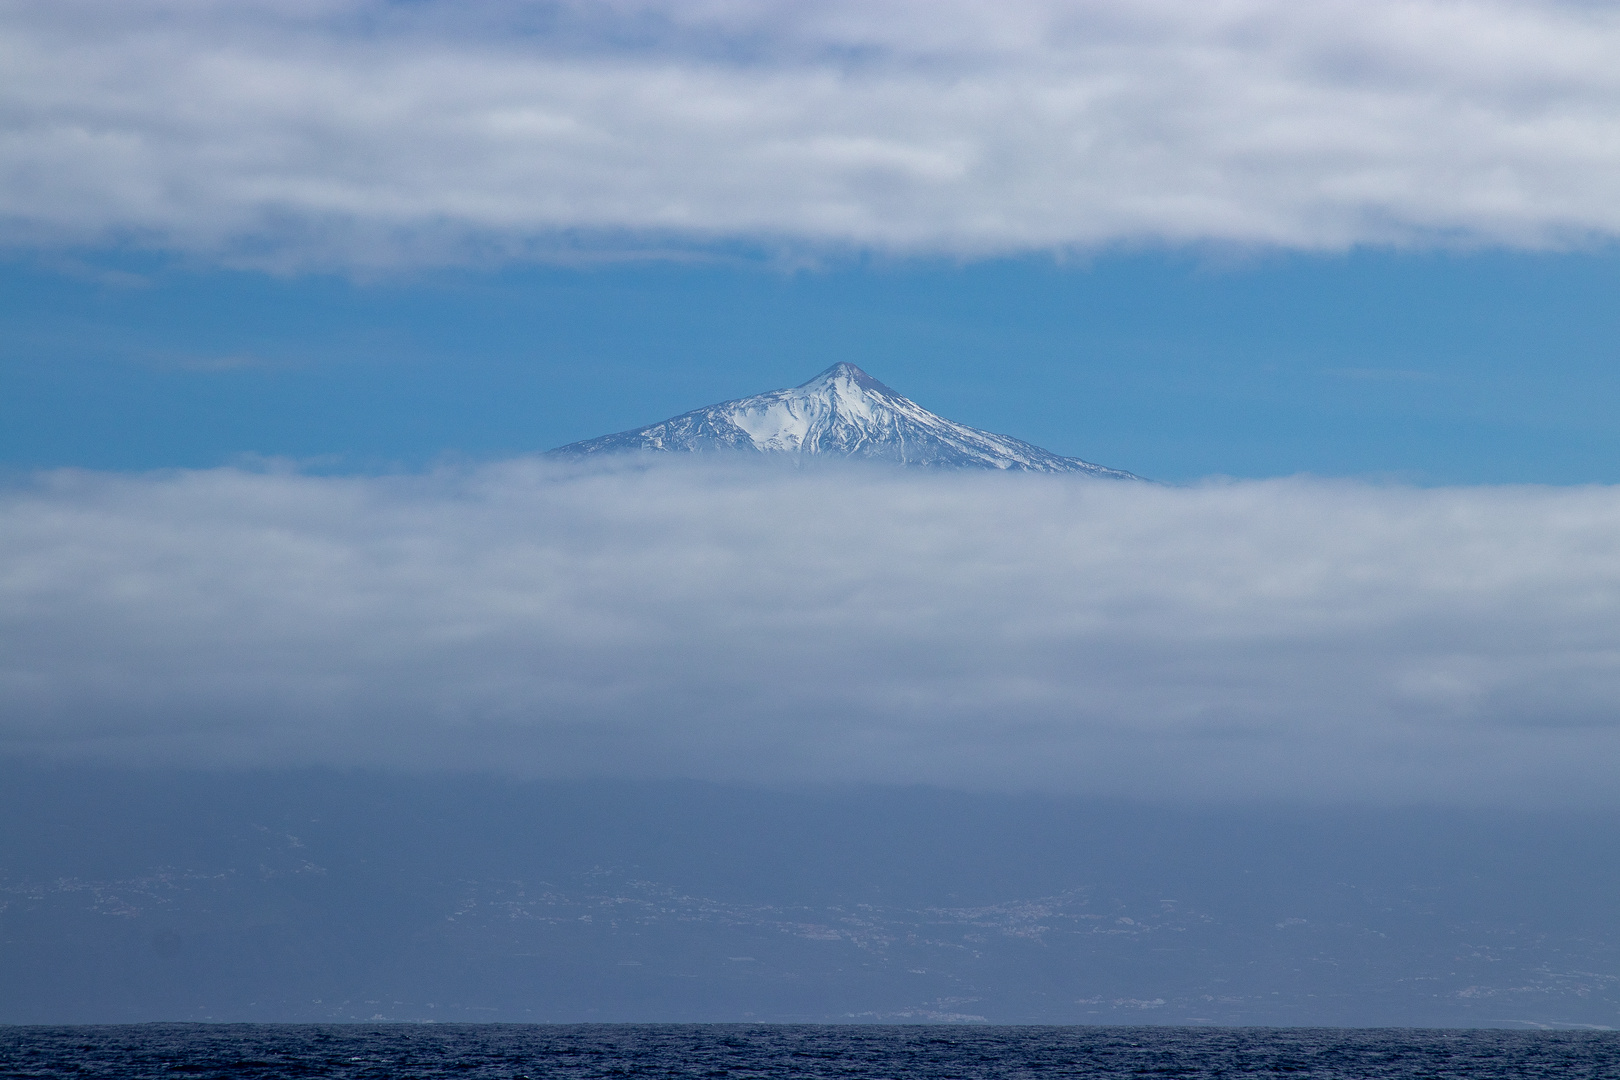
{"points": [[399, 1051]]}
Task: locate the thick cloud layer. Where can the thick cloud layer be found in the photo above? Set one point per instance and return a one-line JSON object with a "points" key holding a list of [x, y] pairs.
{"points": [[357, 132], [1290, 639]]}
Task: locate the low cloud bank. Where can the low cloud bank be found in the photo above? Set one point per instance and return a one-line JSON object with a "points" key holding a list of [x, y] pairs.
{"points": [[1281, 639], [360, 133]]}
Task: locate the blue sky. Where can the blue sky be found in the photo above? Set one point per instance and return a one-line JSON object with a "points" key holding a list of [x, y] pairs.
{"points": [[297, 286], [1488, 367], [1183, 239], [293, 292]]}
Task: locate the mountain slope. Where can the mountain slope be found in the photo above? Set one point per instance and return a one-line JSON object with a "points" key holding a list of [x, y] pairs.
{"points": [[842, 412]]}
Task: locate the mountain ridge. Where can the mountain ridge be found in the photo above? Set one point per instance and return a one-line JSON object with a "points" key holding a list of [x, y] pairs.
{"points": [[841, 412]]}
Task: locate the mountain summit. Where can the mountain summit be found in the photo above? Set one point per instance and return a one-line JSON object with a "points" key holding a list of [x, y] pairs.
{"points": [[843, 412]]}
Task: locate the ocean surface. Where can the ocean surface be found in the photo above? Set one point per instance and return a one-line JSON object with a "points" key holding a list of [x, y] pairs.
{"points": [[399, 1051]]}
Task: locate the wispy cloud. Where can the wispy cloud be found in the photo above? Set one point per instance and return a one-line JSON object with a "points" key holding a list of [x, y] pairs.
{"points": [[360, 133], [231, 362], [1292, 639]]}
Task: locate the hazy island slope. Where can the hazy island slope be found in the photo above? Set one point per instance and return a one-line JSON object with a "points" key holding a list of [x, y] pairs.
{"points": [[842, 412]]}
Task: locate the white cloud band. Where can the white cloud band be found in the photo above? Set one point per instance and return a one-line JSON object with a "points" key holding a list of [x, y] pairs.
{"points": [[351, 132], [1288, 639]]}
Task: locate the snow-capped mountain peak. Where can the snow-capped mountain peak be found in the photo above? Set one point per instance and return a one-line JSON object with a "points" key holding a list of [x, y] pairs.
{"points": [[842, 412]]}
